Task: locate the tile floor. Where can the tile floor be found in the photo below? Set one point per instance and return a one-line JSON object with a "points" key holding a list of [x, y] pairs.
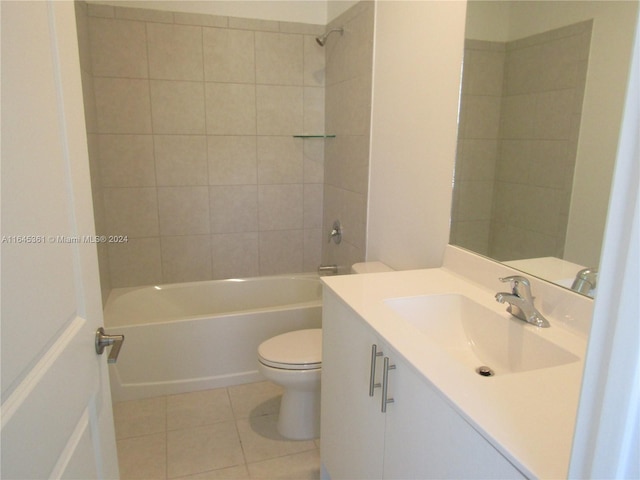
{"points": [[225, 433]]}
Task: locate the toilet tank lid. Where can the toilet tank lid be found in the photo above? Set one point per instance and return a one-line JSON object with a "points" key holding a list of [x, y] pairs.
{"points": [[370, 267], [300, 347]]}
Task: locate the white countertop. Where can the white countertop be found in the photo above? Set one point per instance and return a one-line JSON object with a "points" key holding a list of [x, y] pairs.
{"points": [[528, 416]]}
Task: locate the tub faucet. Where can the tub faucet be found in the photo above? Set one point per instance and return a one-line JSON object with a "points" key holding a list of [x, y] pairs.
{"points": [[520, 301], [585, 280]]}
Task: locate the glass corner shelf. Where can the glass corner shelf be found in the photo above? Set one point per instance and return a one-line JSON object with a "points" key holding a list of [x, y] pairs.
{"points": [[314, 136]]}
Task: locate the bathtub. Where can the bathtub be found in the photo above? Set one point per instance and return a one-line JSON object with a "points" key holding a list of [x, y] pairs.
{"points": [[193, 336]]}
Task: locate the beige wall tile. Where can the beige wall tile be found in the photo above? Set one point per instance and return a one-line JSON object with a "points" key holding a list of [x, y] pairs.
{"points": [[279, 110], [312, 212], [118, 48], [279, 160], [198, 19], [122, 105], [98, 10], [235, 255], [136, 262], [177, 107], [314, 62], [126, 160], [144, 14], [313, 163], [313, 119], [231, 109], [185, 258], [281, 252], [279, 58], [232, 160], [175, 52], [131, 211], [254, 24], [313, 240], [553, 115], [183, 210], [229, 55], [234, 208], [181, 159], [280, 207]]}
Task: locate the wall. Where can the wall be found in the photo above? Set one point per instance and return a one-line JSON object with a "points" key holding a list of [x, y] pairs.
{"points": [[308, 11], [197, 161], [348, 110], [414, 126]]}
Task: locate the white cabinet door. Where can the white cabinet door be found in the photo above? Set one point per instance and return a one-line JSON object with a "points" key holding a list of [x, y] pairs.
{"points": [[56, 412], [352, 425], [425, 438]]}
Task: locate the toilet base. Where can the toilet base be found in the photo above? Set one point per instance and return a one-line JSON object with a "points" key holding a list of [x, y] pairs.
{"points": [[299, 417]]}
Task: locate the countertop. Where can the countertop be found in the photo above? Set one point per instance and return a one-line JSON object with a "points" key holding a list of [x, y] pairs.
{"points": [[527, 416]]}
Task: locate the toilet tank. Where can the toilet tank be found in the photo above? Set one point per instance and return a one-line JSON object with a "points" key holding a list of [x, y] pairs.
{"points": [[370, 267]]}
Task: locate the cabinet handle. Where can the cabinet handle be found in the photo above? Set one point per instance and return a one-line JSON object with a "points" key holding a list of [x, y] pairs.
{"points": [[385, 384], [372, 371]]}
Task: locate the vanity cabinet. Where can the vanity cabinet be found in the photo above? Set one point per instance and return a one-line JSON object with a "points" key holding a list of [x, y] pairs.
{"points": [[419, 436]]}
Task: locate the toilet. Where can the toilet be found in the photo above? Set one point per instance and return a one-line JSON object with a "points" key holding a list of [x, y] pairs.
{"points": [[293, 360]]}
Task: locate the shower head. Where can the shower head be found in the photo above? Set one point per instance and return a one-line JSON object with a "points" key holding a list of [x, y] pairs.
{"points": [[323, 38]]}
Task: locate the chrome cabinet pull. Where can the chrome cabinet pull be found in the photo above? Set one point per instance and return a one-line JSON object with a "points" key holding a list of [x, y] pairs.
{"points": [[372, 371], [385, 384], [103, 340]]}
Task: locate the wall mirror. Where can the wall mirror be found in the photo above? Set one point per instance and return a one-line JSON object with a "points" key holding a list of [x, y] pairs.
{"points": [[541, 105]]}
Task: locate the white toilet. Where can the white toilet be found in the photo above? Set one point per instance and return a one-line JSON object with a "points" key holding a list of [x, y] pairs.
{"points": [[293, 360]]}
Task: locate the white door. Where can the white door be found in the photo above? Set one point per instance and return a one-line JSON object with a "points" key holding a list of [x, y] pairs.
{"points": [[56, 413]]}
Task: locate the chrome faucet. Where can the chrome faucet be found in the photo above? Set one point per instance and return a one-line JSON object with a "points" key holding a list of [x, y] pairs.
{"points": [[585, 280], [520, 301]]}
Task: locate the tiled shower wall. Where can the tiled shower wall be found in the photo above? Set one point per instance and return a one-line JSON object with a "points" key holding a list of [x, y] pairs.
{"points": [[543, 81], [191, 121], [349, 63]]}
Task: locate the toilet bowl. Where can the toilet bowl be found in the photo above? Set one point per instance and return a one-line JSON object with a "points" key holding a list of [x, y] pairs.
{"points": [[293, 360]]}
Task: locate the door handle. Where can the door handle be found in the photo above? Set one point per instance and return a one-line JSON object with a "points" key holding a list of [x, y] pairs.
{"points": [[103, 340]]}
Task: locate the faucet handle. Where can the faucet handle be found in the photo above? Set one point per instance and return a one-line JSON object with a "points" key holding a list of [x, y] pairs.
{"points": [[520, 286]]}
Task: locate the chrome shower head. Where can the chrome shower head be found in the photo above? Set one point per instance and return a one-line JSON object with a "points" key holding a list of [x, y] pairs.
{"points": [[323, 38]]}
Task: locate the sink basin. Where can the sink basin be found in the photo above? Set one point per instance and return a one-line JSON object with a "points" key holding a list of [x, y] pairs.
{"points": [[477, 336]]}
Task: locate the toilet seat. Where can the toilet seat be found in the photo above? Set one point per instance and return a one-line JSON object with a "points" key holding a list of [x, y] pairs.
{"points": [[298, 350]]}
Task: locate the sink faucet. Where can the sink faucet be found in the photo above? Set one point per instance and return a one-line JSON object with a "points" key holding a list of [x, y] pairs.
{"points": [[585, 280], [520, 301]]}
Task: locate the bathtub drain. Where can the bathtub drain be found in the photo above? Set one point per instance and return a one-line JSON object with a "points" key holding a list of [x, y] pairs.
{"points": [[485, 371]]}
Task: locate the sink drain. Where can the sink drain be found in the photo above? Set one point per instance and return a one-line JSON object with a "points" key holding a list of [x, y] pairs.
{"points": [[485, 371]]}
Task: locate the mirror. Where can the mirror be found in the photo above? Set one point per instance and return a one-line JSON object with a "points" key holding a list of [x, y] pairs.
{"points": [[541, 104]]}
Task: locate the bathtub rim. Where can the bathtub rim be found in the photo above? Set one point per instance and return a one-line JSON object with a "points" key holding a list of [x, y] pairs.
{"points": [[118, 292]]}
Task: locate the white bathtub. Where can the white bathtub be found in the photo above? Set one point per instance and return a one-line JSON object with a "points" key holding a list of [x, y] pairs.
{"points": [[192, 336]]}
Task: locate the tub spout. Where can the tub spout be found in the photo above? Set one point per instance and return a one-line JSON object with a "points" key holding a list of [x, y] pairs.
{"points": [[328, 270]]}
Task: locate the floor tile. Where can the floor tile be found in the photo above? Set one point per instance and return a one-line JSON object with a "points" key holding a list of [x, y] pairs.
{"points": [[143, 457], [254, 399], [196, 409], [261, 440], [239, 472], [139, 417], [200, 449], [301, 466]]}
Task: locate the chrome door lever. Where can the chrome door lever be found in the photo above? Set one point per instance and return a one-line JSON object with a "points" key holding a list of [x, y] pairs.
{"points": [[103, 340]]}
